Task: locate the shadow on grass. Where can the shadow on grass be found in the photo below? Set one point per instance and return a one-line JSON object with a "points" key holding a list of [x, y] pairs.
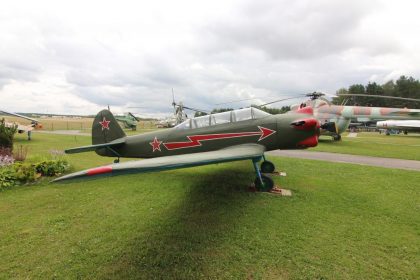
{"points": [[192, 234]]}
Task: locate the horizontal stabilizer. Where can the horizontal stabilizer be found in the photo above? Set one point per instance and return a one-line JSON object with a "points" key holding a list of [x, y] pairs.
{"points": [[95, 147], [234, 153]]}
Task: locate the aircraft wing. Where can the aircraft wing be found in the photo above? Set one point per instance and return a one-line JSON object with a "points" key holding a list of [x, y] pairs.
{"points": [[19, 116], [234, 153]]}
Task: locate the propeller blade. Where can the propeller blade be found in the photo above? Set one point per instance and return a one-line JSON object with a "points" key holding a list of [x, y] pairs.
{"points": [[279, 100], [379, 96], [235, 101], [196, 110]]}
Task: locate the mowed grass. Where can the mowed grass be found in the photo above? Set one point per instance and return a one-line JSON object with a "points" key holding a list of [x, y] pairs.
{"points": [[342, 222], [374, 144]]}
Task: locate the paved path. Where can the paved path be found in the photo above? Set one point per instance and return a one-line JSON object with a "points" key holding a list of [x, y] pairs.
{"points": [[363, 160], [63, 132]]}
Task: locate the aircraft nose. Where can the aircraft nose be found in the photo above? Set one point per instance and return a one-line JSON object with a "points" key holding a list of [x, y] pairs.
{"points": [[311, 129]]}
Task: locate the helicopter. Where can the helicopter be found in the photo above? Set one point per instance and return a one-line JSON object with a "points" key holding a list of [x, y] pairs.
{"points": [[335, 119], [128, 120], [179, 115]]}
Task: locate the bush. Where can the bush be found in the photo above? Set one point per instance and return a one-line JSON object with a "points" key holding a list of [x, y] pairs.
{"points": [[6, 134], [7, 178], [23, 173], [52, 167]]}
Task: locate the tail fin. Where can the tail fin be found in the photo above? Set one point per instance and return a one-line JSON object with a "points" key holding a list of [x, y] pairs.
{"points": [[105, 128]]}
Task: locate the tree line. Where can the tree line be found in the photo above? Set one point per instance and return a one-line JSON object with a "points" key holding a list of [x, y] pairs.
{"points": [[406, 87]]}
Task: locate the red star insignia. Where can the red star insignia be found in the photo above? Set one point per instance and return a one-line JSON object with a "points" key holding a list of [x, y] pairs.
{"points": [[156, 144], [105, 124]]}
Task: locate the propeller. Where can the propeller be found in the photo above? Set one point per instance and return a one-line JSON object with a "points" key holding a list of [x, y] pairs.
{"points": [[235, 101], [379, 96], [313, 96]]}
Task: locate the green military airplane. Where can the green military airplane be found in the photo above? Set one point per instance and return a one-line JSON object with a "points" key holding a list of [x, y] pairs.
{"points": [[222, 137], [128, 120]]}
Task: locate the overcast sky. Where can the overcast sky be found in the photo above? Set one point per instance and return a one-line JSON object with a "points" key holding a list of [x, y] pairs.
{"points": [[76, 57]]}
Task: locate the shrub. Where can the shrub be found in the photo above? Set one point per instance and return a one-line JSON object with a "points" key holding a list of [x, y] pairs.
{"points": [[52, 167], [6, 134], [25, 172], [22, 173], [7, 178]]}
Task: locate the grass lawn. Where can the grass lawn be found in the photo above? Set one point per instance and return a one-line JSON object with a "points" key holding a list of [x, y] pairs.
{"points": [[374, 144], [342, 222]]}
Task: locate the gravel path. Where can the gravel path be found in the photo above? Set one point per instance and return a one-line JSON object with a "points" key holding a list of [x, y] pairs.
{"points": [[63, 132], [362, 160]]}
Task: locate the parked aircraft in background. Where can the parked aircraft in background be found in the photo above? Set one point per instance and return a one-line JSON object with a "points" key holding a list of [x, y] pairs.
{"points": [[405, 126], [21, 128], [128, 120]]}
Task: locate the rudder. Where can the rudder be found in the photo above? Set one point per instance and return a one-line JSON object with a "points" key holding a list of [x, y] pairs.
{"points": [[105, 128]]}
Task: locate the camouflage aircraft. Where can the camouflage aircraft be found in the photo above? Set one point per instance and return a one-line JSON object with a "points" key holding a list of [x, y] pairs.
{"points": [[20, 127], [335, 119], [128, 120], [222, 137]]}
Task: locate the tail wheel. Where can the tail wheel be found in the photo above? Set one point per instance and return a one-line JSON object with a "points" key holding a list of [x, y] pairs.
{"points": [[267, 185], [267, 167]]}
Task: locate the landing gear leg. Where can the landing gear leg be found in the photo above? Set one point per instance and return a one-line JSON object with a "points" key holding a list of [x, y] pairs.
{"points": [[336, 137], [117, 160], [262, 182]]}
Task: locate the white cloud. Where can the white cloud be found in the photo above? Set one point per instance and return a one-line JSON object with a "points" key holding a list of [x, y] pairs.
{"points": [[79, 56]]}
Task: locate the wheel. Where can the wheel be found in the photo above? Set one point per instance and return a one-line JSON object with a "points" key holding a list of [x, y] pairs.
{"points": [[117, 160], [268, 183], [405, 132], [267, 167], [337, 137]]}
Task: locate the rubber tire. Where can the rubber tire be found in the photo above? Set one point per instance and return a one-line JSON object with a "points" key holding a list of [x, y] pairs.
{"points": [[268, 183], [267, 167], [116, 161], [337, 137]]}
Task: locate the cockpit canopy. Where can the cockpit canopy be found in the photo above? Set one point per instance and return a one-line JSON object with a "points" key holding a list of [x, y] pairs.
{"points": [[222, 118]]}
